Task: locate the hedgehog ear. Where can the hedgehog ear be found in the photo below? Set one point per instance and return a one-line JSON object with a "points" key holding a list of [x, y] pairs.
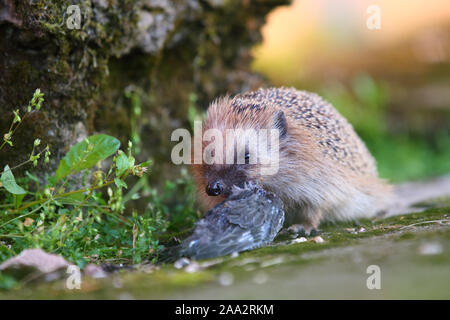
{"points": [[279, 122]]}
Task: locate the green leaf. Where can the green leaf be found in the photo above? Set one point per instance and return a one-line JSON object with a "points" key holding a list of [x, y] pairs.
{"points": [[31, 176], [145, 164], [18, 200], [120, 183], [122, 163], [9, 182], [16, 116], [74, 198], [86, 154]]}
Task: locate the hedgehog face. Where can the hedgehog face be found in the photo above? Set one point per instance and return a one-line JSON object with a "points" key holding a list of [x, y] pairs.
{"points": [[248, 156], [220, 179], [216, 176]]}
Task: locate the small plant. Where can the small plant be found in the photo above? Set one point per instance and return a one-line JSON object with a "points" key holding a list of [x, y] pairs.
{"points": [[135, 100], [79, 212], [33, 105]]}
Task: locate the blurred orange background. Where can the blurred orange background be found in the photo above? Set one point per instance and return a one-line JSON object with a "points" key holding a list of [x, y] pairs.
{"points": [[323, 38], [392, 83]]}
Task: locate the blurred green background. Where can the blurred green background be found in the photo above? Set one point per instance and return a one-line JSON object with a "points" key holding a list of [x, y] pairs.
{"points": [[392, 83]]}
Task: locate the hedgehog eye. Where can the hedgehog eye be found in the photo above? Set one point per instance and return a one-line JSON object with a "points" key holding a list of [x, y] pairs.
{"points": [[247, 158]]}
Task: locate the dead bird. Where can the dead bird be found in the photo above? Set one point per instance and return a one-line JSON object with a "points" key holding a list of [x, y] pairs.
{"points": [[249, 218]]}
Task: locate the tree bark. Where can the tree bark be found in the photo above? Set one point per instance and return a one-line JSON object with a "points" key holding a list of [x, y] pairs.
{"points": [[132, 69]]}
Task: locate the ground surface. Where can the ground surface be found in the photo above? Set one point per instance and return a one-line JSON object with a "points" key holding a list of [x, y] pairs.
{"points": [[412, 251]]}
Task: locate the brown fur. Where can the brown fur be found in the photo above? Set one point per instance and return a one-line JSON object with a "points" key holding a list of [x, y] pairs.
{"points": [[325, 173]]}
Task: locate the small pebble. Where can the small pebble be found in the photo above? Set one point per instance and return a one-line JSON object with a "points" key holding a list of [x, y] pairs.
{"points": [[318, 239], [148, 268], [298, 240], [430, 248], [181, 263], [209, 263], [226, 279], [192, 267], [272, 262], [94, 271]]}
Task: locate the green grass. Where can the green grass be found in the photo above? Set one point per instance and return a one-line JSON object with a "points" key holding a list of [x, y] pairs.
{"points": [[400, 156], [85, 216], [407, 157], [83, 210]]}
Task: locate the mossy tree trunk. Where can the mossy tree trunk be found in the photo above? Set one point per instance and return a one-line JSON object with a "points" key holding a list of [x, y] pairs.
{"points": [[132, 69]]}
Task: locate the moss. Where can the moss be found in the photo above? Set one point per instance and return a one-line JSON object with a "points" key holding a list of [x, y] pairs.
{"points": [[84, 73], [430, 215], [407, 236], [434, 202], [21, 71], [338, 235], [383, 236]]}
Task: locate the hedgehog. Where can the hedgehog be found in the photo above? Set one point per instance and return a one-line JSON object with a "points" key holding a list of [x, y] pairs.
{"points": [[325, 171]]}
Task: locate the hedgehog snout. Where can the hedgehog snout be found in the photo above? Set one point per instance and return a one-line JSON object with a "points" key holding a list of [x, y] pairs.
{"points": [[214, 189]]}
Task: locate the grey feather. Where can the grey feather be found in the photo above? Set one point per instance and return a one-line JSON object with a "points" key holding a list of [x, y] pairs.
{"points": [[249, 218]]}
